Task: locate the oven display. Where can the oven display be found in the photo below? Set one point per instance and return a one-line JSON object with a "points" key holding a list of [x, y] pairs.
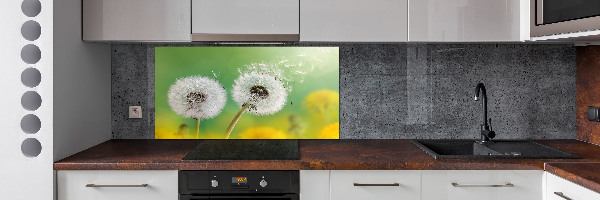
{"points": [[239, 180]]}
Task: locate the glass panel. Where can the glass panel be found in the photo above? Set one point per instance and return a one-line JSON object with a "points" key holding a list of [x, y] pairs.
{"points": [[564, 10]]}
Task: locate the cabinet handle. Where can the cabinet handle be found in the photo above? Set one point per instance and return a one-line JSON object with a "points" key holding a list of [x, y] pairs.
{"points": [[505, 185], [362, 184], [94, 185], [560, 194]]}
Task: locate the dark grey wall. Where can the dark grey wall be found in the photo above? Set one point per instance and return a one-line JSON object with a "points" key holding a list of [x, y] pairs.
{"points": [[408, 90]]}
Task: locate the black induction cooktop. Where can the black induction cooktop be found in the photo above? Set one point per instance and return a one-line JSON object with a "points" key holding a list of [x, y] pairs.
{"points": [[245, 150]]}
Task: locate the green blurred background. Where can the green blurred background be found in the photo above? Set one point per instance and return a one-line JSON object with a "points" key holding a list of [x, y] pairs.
{"points": [[311, 112]]}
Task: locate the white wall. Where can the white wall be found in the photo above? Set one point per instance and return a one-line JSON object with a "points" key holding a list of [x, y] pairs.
{"points": [[82, 84], [74, 88], [24, 177]]}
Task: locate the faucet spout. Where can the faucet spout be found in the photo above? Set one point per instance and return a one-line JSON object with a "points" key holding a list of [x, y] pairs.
{"points": [[486, 132], [481, 88]]}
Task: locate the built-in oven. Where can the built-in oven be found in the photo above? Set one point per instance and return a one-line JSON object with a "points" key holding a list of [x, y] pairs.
{"points": [[234, 185], [554, 17]]}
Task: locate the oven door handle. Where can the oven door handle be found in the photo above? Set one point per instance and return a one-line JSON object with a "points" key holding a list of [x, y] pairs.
{"points": [[376, 184], [99, 186]]}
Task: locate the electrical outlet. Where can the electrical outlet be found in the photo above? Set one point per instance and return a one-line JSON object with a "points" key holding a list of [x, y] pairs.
{"points": [[135, 112]]}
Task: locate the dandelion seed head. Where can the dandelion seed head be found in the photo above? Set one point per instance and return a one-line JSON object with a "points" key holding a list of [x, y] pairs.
{"points": [[197, 97], [264, 93]]}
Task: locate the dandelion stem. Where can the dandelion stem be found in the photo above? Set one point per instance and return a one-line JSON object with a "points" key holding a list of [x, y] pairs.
{"points": [[197, 128], [235, 119]]}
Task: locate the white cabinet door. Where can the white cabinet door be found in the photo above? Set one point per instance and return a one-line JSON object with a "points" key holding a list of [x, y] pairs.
{"points": [[482, 184], [354, 20], [136, 20], [117, 185], [468, 20], [245, 16], [375, 185], [561, 189], [314, 184]]}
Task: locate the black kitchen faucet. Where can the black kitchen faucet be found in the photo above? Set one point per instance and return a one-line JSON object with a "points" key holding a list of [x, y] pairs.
{"points": [[486, 129]]}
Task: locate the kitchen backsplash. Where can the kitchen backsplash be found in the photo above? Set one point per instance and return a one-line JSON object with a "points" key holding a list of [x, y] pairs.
{"points": [[407, 90]]}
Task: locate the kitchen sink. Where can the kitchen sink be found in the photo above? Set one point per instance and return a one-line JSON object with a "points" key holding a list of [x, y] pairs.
{"points": [[441, 149]]}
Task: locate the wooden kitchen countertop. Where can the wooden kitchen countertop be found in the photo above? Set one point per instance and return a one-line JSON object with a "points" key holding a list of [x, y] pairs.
{"points": [[581, 173], [375, 154], [332, 155]]}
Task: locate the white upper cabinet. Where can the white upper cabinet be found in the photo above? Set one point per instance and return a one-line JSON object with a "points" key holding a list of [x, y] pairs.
{"points": [[243, 20], [136, 20], [468, 20], [354, 20], [307, 20]]}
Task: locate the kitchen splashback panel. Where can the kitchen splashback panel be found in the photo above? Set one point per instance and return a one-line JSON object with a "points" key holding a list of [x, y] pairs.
{"points": [[407, 90], [246, 92]]}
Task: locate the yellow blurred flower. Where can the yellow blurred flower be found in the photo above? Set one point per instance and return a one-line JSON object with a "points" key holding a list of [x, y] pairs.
{"points": [[322, 101], [331, 131], [263, 132], [162, 133], [183, 132]]}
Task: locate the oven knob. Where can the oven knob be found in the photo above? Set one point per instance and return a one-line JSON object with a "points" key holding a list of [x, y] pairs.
{"points": [[263, 183], [214, 183]]}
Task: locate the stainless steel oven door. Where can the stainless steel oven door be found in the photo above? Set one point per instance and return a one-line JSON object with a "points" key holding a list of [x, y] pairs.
{"points": [[241, 197], [553, 17]]}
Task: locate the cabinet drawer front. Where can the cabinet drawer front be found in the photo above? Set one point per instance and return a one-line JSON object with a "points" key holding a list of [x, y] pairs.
{"points": [[567, 189], [482, 184], [380, 185], [117, 185]]}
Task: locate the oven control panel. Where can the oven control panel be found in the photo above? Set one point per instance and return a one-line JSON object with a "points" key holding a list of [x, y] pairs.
{"points": [[220, 182]]}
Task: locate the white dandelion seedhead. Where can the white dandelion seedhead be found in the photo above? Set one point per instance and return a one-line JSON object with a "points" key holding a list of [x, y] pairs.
{"points": [[197, 97], [263, 92]]}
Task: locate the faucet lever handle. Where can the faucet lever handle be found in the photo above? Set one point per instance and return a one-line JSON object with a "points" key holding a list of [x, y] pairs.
{"points": [[491, 124]]}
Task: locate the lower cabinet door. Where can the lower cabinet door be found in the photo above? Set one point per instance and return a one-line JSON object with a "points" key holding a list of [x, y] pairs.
{"points": [[560, 189], [314, 185], [375, 185], [482, 184], [117, 185]]}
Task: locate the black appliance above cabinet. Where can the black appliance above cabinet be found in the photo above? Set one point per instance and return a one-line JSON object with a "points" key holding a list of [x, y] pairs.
{"points": [[561, 17], [233, 185]]}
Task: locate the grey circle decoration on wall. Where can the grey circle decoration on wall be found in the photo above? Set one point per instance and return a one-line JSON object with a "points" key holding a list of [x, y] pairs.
{"points": [[31, 124], [31, 30], [31, 147], [31, 77], [31, 100], [31, 54], [31, 8]]}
